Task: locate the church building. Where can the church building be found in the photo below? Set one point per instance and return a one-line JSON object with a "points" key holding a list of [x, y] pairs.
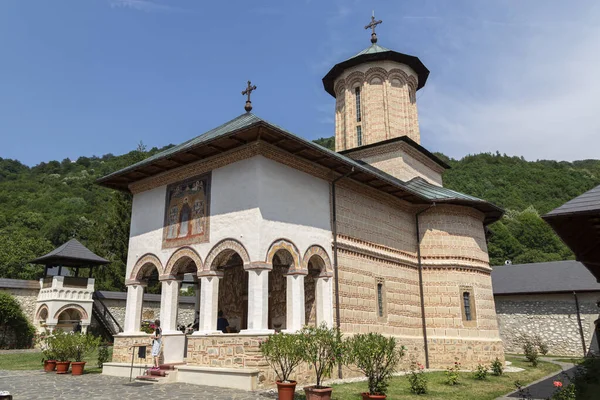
{"points": [[280, 232]]}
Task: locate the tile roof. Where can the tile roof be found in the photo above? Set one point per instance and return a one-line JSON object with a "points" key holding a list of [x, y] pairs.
{"points": [[546, 277], [587, 202], [72, 253]]}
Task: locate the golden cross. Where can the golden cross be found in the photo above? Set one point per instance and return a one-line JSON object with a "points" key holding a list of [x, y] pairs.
{"points": [[372, 26], [247, 92]]}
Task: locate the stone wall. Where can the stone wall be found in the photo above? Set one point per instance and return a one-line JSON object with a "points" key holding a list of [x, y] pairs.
{"points": [[551, 316], [26, 295]]}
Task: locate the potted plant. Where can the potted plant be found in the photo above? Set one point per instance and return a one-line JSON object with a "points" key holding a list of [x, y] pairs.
{"points": [[82, 345], [283, 353], [49, 359], [320, 347], [377, 357], [62, 344]]}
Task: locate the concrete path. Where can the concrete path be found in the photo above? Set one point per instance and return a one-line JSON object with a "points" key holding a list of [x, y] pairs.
{"points": [[543, 388], [37, 385]]}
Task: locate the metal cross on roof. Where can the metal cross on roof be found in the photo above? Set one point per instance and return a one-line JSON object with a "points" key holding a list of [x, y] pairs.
{"points": [[372, 26], [248, 91]]}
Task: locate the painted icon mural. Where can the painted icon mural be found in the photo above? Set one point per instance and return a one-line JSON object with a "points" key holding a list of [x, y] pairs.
{"points": [[187, 212]]}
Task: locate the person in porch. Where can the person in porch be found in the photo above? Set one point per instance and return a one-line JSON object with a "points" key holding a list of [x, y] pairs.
{"points": [[156, 343], [222, 323]]}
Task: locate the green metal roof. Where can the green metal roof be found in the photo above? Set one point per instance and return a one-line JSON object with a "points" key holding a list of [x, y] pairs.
{"points": [[372, 49], [418, 187]]}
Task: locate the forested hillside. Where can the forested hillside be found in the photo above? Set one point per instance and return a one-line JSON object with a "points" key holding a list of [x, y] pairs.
{"points": [[42, 207]]}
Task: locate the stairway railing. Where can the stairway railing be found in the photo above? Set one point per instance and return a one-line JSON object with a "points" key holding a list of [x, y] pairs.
{"points": [[106, 317]]}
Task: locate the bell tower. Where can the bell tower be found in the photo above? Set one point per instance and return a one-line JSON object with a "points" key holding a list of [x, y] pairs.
{"points": [[375, 93]]}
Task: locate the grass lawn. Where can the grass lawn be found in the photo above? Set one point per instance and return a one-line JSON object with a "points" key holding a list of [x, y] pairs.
{"points": [[468, 387], [23, 361]]}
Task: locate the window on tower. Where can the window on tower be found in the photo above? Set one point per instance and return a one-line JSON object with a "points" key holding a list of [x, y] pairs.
{"points": [[359, 135], [467, 305], [357, 93]]}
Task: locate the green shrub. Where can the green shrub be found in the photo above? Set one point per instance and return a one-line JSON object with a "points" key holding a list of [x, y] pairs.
{"points": [[497, 367], [481, 372], [452, 374], [321, 348], [563, 392], [61, 344], [283, 353], [82, 345], [14, 323], [531, 351], [539, 343], [103, 355], [376, 356], [417, 379]]}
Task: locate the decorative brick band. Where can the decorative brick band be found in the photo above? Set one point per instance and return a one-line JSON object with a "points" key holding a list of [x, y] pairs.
{"points": [[289, 247], [143, 264], [222, 251], [177, 258]]}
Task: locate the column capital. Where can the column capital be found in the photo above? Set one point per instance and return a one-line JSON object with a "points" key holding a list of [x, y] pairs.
{"points": [[293, 272], [210, 273], [169, 277], [133, 282], [258, 266]]}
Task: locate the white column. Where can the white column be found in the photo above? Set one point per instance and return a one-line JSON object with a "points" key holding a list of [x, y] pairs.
{"points": [[295, 315], [258, 302], [209, 303], [324, 301], [169, 303], [133, 308]]}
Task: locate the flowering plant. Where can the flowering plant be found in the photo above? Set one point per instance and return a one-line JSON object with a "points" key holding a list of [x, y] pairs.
{"points": [[563, 392], [452, 374], [147, 327], [319, 347], [417, 378], [282, 352], [376, 356]]}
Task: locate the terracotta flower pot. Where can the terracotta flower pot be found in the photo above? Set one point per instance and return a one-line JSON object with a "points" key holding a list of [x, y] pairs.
{"points": [[367, 396], [77, 367], [286, 390], [314, 393], [62, 367], [49, 365]]}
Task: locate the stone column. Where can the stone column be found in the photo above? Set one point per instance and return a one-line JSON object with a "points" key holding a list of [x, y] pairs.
{"points": [[133, 307], [209, 302], [295, 303], [169, 303], [258, 298], [324, 300]]}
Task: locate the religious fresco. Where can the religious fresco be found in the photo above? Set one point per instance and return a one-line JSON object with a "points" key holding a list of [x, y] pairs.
{"points": [[187, 212]]}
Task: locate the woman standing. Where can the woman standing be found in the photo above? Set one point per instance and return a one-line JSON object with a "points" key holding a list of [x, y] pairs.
{"points": [[156, 343]]}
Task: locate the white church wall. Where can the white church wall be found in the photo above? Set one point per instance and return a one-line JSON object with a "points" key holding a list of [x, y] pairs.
{"points": [[294, 206], [254, 201]]}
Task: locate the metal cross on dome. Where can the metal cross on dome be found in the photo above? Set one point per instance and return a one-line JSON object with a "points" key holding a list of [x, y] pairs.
{"points": [[247, 92], [372, 26]]}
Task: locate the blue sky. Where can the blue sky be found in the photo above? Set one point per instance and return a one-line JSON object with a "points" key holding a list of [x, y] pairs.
{"points": [[89, 77]]}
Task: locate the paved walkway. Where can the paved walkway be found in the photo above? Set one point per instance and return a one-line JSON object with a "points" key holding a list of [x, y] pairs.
{"points": [[34, 385], [543, 388]]}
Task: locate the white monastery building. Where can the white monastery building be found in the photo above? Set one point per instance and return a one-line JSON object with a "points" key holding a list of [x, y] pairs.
{"points": [[280, 232]]}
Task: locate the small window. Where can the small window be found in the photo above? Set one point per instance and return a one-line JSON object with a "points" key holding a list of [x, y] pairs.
{"points": [[359, 135], [357, 93], [380, 299], [467, 305]]}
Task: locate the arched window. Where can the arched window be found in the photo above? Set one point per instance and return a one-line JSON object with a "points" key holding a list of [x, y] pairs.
{"points": [[357, 94], [467, 305]]}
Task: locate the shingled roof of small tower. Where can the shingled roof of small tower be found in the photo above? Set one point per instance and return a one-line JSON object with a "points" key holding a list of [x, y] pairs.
{"points": [[71, 254], [376, 52]]}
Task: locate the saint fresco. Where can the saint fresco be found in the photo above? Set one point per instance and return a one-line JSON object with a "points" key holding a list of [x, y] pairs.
{"points": [[187, 212]]}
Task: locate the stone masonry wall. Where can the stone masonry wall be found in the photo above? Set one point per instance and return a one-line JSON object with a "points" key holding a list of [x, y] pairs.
{"points": [[551, 316], [26, 298]]}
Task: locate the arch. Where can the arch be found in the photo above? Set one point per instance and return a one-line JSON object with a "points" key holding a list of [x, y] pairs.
{"points": [[144, 265], [77, 307], [323, 257], [39, 314], [356, 77], [376, 72], [340, 87], [222, 252], [284, 244], [179, 262]]}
